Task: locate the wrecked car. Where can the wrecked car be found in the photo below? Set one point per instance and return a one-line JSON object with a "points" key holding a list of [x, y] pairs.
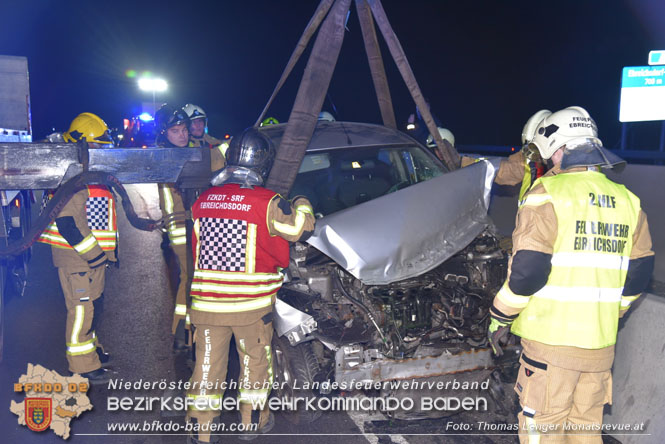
{"points": [[397, 280]]}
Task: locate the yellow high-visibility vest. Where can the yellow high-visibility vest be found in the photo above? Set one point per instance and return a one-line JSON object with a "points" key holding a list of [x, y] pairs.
{"points": [[579, 305]]}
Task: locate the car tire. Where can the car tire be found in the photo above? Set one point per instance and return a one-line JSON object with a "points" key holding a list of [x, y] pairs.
{"points": [[295, 367]]}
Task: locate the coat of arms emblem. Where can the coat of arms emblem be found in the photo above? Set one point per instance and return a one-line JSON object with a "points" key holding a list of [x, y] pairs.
{"points": [[38, 413]]}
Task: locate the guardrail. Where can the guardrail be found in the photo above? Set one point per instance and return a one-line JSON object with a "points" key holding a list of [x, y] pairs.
{"points": [[655, 157]]}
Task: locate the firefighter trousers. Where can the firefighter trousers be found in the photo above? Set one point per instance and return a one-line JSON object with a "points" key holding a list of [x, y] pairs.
{"points": [[212, 352], [83, 298], [180, 311], [561, 405]]}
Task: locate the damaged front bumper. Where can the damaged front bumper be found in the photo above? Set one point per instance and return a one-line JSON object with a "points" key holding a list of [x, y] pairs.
{"points": [[292, 323], [358, 365]]}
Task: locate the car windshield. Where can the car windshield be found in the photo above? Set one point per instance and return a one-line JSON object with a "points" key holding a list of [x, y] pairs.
{"points": [[340, 178]]}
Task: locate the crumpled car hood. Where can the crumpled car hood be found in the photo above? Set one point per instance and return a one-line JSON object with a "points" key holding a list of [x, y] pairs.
{"points": [[409, 232]]}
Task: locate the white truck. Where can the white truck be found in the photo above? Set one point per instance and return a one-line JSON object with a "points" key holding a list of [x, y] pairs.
{"points": [[15, 126]]}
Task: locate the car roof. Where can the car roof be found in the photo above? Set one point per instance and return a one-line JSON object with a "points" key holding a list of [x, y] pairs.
{"points": [[330, 135]]}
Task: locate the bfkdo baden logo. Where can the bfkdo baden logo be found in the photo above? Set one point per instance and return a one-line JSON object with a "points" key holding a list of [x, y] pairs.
{"points": [[51, 401], [38, 413]]}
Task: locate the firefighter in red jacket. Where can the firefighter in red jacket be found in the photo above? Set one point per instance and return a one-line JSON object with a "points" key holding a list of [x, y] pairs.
{"points": [[240, 243], [83, 239]]}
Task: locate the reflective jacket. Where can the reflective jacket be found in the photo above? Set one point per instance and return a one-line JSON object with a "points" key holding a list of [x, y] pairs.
{"points": [[517, 169], [217, 149], [206, 141], [576, 231], [579, 305], [240, 244], [172, 206], [85, 231]]}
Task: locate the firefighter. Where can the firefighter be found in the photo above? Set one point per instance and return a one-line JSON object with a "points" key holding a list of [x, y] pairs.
{"points": [[173, 132], [269, 121], [325, 116], [83, 240], [199, 137], [241, 242], [448, 138], [582, 255], [416, 126], [524, 166]]}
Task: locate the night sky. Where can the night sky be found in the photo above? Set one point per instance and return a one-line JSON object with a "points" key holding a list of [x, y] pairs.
{"points": [[485, 66]]}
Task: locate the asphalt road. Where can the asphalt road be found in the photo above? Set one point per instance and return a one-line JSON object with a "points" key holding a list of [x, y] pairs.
{"points": [[135, 328]]}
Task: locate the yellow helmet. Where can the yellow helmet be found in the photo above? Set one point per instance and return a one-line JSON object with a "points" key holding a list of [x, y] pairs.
{"points": [[89, 126], [269, 121]]}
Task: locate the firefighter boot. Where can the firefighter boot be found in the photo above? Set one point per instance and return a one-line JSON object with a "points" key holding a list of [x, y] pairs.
{"points": [[263, 420], [180, 343], [202, 434], [99, 376], [104, 358]]}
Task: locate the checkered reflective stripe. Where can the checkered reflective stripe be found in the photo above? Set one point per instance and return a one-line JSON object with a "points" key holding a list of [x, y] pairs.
{"points": [[46, 198], [223, 244], [97, 210]]}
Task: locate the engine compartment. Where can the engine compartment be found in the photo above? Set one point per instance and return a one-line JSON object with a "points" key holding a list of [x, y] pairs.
{"points": [[443, 310]]}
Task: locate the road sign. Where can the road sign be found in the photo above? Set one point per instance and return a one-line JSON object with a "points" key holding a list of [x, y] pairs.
{"points": [[642, 94], [657, 57]]}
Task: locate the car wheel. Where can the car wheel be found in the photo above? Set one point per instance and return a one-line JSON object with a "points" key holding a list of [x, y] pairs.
{"points": [[295, 367]]}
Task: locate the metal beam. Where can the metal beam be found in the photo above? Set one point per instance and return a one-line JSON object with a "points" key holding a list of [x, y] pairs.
{"points": [[38, 166]]}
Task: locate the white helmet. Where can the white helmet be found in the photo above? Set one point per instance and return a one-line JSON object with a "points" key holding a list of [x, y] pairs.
{"points": [[563, 127], [445, 134], [530, 126], [194, 112], [326, 116]]}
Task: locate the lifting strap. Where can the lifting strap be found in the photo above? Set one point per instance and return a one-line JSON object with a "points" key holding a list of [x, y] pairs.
{"points": [[316, 80], [446, 152], [309, 99], [376, 66], [310, 29]]}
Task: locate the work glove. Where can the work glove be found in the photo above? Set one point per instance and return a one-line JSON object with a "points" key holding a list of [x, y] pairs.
{"points": [[531, 153], [300, 200], [497, 335]]}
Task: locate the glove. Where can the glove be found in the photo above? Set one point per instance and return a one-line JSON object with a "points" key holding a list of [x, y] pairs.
{"points": [[301, 203], [497, 334], [531, 153], [302, 198]]}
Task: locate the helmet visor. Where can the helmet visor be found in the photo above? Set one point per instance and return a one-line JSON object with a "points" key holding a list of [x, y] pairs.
{"points": [[589, 152]]}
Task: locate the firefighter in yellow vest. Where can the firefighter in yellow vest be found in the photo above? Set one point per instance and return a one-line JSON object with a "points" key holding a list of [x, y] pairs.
{"points": [[173, 124], [522, 167], [241, 242], [582, 254], [199, 137], [83, 240]]}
